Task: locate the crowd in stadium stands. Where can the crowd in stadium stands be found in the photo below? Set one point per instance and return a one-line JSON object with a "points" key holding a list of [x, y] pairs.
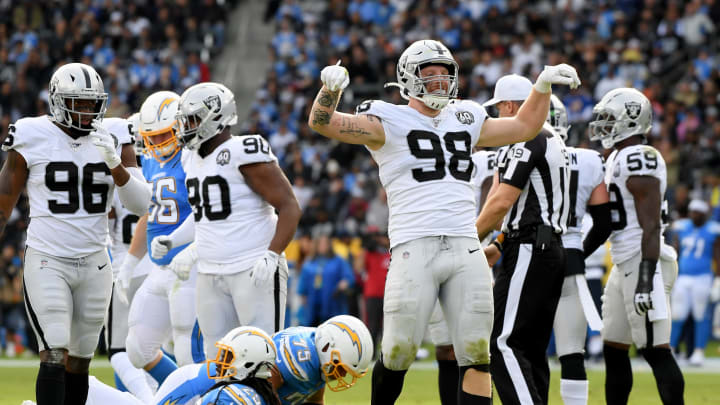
{"points": [[668, 49], [138, 47]]}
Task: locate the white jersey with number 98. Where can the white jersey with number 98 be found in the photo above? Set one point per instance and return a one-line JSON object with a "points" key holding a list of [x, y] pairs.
{"points": [[426, 168]]}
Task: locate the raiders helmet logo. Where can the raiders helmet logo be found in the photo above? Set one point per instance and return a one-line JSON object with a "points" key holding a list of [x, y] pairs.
{"points": [[465, 117], [223, 157], [213, 104], [633, 109]]}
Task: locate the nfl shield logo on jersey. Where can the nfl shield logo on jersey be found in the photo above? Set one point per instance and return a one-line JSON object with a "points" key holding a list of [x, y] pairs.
{"points": [[633, 109], [223, 157], [465, 117], [213, 103]]}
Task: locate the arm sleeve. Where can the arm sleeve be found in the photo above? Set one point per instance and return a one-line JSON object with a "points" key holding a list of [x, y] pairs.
{"points": [[185, 233], [600, 230], [135, 194]]}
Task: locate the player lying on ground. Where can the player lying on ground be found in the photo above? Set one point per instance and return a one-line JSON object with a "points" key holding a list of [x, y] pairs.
{"points": [[333, 355]]}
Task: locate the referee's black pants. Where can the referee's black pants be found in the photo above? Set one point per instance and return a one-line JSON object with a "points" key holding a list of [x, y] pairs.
{"points": [[526, 293]]}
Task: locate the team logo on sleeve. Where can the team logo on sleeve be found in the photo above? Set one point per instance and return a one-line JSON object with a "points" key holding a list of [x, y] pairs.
{"points": [[616, 171], [223, 157], [213, 103], [633, 109], [465, 117]]}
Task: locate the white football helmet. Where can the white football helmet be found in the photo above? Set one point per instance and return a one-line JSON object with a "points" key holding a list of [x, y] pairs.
{"points": [[244, 352], [158, 117], [205, 110], [557, 117], [345, 349], [73, 82], [620, 114], [415, 57], [134, 128]]}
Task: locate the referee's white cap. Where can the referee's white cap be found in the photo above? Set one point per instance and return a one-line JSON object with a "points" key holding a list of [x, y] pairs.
{"points": [[510, 88]]}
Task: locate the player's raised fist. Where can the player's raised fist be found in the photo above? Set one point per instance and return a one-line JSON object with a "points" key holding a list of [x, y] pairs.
{"points": [[335, 77], [558, 74]]}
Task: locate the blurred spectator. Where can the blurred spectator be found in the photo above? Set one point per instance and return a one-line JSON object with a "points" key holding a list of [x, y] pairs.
{"points": [[324, 280], [374, 264], [12, 309]]}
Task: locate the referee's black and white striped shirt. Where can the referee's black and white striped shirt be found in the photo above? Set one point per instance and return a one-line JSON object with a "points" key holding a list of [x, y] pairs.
{"points": [[540, 168]]}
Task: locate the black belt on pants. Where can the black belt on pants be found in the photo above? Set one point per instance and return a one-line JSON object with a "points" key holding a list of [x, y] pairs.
{"points": [[541, 236]]}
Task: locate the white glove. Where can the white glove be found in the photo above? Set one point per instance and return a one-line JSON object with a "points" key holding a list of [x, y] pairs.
{"points": [[105, 144], [264, 268], [558, 74], [122, 280], [160, 246], [335, 77], [715, 290], [183, 262]]}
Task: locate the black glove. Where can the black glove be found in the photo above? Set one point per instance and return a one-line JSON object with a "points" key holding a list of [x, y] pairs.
{"points": [[643, 300]]}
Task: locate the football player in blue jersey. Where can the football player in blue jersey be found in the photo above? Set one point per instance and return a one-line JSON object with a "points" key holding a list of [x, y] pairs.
{"points": [[243, 365], [163, 307], [333, 355], [698, 243]]}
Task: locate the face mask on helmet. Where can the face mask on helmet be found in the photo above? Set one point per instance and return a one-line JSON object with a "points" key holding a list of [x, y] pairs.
{"points": [[620, 114], [158, 125], [245, 352], [435, 90], [76, 97], [205, 110], [345, 350]]}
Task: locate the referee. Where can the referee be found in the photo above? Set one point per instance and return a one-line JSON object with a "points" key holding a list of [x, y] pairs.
{"points": [[531, 194]]}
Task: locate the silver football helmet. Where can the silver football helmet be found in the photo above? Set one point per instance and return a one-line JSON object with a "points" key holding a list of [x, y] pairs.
{"points": [[345, 349], [244, 352], [205, 110], [415, 57], [557, 117], [68, 85], [620, 114]]}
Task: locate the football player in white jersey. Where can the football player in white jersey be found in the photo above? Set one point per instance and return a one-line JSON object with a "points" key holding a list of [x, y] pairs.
{"points": [[70, 164], [576, 308], [636, 300], [235, 186], [423, 151]]}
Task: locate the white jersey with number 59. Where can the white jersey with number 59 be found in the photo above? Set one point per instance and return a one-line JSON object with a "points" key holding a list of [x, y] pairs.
{"points": [[636, 160], [426, 168], [69, 186], [233, 224]]}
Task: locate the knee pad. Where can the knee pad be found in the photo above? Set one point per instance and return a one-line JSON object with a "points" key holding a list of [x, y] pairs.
{"points": [[573, 367], [399, 356], [55, 357], [140, 355]]}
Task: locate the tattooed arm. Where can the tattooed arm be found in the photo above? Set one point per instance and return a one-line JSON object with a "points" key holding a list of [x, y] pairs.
{"points": [[13, 176], [360, 129]]}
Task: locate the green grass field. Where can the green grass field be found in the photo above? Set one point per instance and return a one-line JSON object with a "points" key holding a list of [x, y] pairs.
{"points": [[17, 384]]}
